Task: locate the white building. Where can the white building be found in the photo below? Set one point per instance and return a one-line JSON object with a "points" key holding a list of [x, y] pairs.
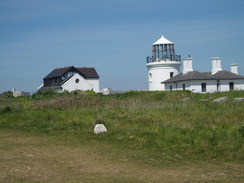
{"points": [[109, 91], [164, 74], [71, 79], [20, 93], [218, 80], [163, 64]]}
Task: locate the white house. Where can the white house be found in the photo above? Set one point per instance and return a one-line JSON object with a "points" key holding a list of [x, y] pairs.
{"points": [[218, 80], [164, 72], [71, 79]]}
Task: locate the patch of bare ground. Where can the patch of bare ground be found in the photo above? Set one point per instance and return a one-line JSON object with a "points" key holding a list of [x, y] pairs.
{"points": [[28, 158]]}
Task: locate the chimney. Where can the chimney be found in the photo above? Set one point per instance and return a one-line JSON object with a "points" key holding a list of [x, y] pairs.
{"points": [[216, 65], [187, 65], [234, 68]]}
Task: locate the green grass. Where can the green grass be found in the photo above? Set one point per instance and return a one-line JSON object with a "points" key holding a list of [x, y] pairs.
{"points": [[152, 126]]}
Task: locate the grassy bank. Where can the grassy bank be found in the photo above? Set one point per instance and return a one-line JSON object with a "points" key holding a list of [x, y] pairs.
{"points": [[154, 127]]}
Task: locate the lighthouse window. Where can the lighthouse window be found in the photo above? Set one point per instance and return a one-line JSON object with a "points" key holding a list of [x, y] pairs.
{"points": [[171, 74], [150, 76]]}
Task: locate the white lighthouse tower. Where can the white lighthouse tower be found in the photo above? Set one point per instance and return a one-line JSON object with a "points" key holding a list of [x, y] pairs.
{"points": [[163, 64]]}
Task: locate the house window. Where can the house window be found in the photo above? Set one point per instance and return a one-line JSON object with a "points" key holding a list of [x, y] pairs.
{"points": [[184, 86], [171, 88], [171, 74], [55, 80], [204, 87], [68, 75], [77, 80], [231, 85]]}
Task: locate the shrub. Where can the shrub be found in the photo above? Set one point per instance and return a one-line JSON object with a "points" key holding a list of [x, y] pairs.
{"points": [[28, 105], [6, 95], [90, 92], [6, 109], [44, 94]]}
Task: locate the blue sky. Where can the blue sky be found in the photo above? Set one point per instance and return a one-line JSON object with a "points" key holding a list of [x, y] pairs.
{"points": [[114, 36]]}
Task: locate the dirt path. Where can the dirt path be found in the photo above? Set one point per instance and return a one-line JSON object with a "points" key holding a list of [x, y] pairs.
{"points": [[28, 158]]}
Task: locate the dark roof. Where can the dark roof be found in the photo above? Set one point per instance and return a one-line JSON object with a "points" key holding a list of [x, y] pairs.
{"points": [[58, 72], [195, 75], [86, 72], [192, 75], [89, 72], [226, 75]]}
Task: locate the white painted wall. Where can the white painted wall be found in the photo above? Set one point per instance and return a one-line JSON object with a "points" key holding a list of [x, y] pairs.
{"points": [[94, 82], [178, 86], [83, 84], [159, 72], [194, 86], [238, 84], [211, 85]]}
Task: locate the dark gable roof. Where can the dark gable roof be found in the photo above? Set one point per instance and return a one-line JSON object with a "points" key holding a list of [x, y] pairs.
{"points": [[195, 75], [89, 72], [58, 72], [86, 72]]}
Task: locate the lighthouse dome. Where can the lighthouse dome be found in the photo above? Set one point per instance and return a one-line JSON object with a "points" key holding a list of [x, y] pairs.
{"points": [[162, 40]]}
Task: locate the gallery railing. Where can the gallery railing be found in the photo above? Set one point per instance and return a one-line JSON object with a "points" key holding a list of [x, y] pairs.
{"points": [[165, 58]]}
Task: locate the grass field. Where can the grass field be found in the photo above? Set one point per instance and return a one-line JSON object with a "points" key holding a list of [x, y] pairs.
{"points": [[152, 137]]}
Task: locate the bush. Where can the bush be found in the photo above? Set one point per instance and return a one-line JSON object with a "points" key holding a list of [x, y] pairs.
{"points": [[6, 95], [44, 93], [6, 109], [90, 92]]}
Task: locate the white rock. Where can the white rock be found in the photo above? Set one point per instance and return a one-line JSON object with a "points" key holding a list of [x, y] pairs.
{"points": [[221, 99], [240, 99], [100, 128]]}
